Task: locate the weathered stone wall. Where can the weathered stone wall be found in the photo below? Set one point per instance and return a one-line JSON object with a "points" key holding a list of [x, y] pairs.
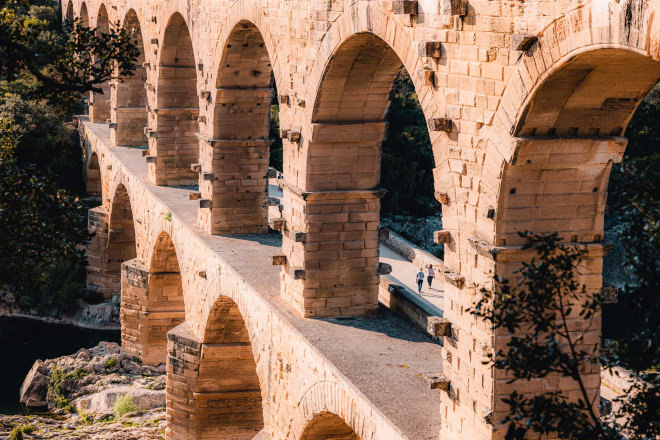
{"points": [[535, 116]]}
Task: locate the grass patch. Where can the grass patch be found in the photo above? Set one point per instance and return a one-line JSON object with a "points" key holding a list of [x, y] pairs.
{"points": [[124, 405]]}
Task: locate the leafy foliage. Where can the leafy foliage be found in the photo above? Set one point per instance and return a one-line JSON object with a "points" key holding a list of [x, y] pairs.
{"points": [[44, 231], [539, 314], [124, 405], [65, 61]]}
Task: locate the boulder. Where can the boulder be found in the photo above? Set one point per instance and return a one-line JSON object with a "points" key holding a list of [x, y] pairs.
{"points": [[35, 386], [103, 401]]}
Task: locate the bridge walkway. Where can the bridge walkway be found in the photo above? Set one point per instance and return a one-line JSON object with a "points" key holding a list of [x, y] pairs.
{"points": [[382, 356]]}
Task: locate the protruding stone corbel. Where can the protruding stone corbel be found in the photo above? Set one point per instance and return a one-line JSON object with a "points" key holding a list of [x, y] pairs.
{"points": [[205, 94], [439, 326], [523, 42], [454, 279], [430, 49], [146, 65], [293, 136], [300, 102], [441, 197], [205, 203], [279, 260], [277, 224], [196, 167], [437, 382], [201, 119], [405, 7], [441, 237], [297, 273], [384, 269], [459, 7], [440, 124]]}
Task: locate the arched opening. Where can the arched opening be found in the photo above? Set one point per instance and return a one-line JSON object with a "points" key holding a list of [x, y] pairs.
{"points": [[68, 17], [121, 239], [84, 15], [568, 138], [219, 393], [340, 181], [99, 110], [151, 302], [328, 426], [94, 187], [238, 154], [129, 109], [175, 145]]}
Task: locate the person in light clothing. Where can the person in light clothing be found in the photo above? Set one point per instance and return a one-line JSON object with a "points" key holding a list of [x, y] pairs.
{"points": [[420, 280], [430, 274]]}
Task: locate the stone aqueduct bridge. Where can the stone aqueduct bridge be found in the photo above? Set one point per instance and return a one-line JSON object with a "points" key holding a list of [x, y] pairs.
{"points": [[526, 104]]}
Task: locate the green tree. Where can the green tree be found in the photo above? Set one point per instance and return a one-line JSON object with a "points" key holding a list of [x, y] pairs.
{"points": [[537, 313], [65, 60], [44, 233]]}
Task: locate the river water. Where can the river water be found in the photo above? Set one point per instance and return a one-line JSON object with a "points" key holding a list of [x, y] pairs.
{"points": [[22, 341]]}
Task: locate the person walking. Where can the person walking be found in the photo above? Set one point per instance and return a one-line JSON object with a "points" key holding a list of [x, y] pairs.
{"points": [[430, 274], [420, 280]]}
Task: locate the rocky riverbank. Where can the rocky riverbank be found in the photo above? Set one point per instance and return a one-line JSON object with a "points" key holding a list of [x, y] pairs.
{"points": [[101, 316], [96, 393]]}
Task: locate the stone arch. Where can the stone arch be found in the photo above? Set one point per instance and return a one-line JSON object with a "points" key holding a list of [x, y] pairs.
{"points": [[84, 15], [238, 152], [566, 136], [174, 146], [224, 399], [102, 20], [93, 178], [68, 14], [99, 103], [340, 150], [152, 302], [129, 96], [327, 425], [325, 408], [121, 246]]}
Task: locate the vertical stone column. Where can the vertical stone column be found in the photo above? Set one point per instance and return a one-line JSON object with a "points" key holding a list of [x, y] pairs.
{"points": [[151, 304], [98, 270], [331, 243], [233, 177], [129, 111], [332, 217], [208, 396], [551, 185], [99, 104], [174, 146]]}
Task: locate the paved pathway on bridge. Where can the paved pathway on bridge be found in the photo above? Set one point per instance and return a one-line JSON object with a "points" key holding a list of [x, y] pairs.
{"points": [[383, 356]]}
